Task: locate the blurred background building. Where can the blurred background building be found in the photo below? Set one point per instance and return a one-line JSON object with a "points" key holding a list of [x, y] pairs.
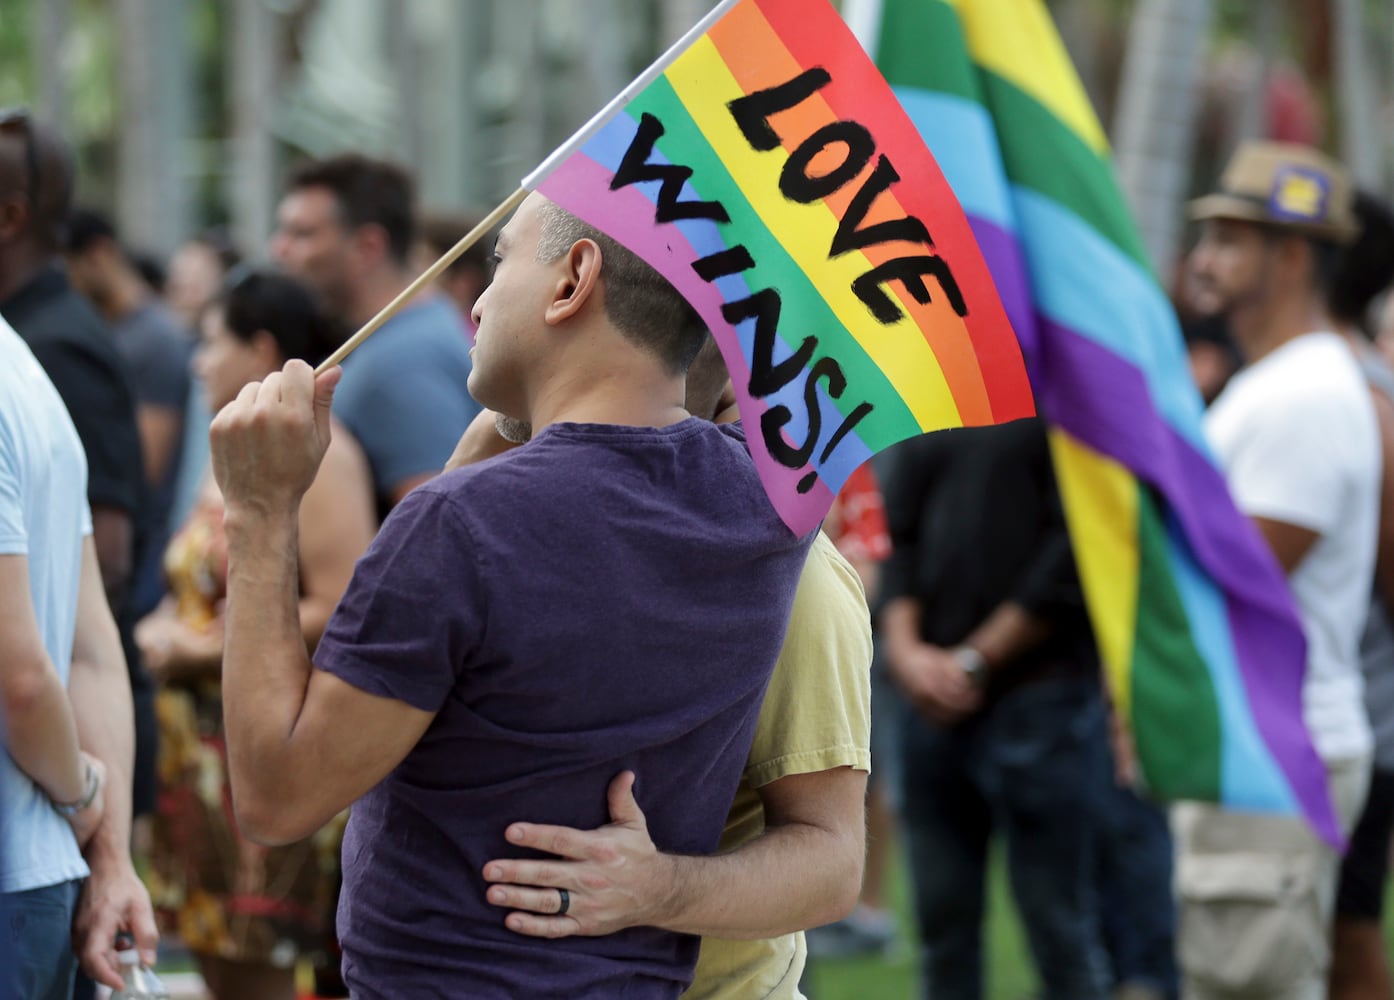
{"points": [[187, 112]]}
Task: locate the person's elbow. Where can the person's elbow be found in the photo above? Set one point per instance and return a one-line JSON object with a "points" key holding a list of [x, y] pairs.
{"points": [[269, 812], [24, 686], [844, 879]]}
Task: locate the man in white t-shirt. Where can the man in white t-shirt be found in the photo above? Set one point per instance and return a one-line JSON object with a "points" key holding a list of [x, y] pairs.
{"points": [[1295, 433], [66, 879]]}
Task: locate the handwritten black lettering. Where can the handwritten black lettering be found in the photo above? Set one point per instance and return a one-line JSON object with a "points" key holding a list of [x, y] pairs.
{"points": [[753, 111], [859, 412], [851, 235], [733, 260], [797, 184], [635, 168], [766, 376], [908, 271], [773, 421]]}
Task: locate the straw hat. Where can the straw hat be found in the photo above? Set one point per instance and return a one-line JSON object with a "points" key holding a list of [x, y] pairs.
{"points": [[1281, 184]]}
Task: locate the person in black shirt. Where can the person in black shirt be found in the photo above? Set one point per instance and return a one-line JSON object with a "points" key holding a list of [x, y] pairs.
{"points": [[986, 634], [77, 353]]}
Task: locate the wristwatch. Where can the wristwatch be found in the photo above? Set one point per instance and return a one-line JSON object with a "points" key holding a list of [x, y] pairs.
{"points": [[89, 793], [971, 662]]}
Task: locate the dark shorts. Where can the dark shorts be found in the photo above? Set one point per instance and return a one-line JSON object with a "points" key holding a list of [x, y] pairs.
{"points": [[1365, 868]]}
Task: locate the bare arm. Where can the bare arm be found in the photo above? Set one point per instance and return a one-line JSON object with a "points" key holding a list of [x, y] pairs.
{"points": [[161, 431], [35, 713], [1007, 633], [111, 532], [113, 898], [900, 626], [803, 871], [172, 650], [1289, 542], [302, 744], [337, 522], [928, 675], [1384, 564]]}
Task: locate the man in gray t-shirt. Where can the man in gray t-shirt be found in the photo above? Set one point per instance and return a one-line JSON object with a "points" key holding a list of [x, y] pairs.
{"points": [[345, 228]]}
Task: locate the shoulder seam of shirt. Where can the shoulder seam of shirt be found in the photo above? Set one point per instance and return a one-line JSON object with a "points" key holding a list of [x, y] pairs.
{"points": [[809, 762], [460, 512]]}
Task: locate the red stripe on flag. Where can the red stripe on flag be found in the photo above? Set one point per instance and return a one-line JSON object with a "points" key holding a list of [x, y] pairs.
{"points": [[859, 93]]}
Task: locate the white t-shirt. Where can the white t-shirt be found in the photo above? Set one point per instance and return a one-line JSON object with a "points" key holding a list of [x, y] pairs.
{"points": [[1297, 437], [44, 517]]}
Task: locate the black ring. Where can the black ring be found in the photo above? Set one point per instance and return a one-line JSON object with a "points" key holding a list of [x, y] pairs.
{"points": [[565, 902]]}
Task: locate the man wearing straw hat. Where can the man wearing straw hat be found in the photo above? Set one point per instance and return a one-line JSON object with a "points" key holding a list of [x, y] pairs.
{"points": [[452, 691], [1296, 435]]}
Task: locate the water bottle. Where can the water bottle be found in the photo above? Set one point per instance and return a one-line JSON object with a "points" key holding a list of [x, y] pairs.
{"points": [[140, 982]]}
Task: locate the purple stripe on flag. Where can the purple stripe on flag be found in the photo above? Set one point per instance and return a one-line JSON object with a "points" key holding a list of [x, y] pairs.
{"points": [[582, 187], [1098, 398], [1103, 400], [1263, 645], [1004, 260]]}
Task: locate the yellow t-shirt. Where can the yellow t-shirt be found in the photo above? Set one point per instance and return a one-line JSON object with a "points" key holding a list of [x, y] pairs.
{"points": [[816, 716]]}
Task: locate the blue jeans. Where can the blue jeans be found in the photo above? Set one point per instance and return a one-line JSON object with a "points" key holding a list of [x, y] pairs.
{"points": [[37, 927], [1033, 768], [1135, 882]]}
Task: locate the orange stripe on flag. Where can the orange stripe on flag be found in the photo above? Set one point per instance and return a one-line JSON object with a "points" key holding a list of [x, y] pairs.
{"points": [[756, 56]]}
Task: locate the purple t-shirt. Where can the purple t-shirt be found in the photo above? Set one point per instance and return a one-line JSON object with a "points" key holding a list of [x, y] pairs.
{"points": [[603, 598]]}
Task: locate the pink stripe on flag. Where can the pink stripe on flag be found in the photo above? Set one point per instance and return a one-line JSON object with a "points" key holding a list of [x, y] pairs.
{"points": [[582, 187]]}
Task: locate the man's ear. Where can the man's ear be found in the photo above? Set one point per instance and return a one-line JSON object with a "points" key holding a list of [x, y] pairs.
{"points": [[577, 283], [14, 218], [268, 350], [371, 242], [1295, 257]]}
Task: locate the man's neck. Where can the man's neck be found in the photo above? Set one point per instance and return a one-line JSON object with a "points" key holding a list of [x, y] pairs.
{"points": [[17, 268], [619, 395], [374, 294], [126, 294], [1285, 323]]}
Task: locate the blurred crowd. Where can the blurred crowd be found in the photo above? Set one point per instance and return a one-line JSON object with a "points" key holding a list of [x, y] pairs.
{"points": [[991, 722]]}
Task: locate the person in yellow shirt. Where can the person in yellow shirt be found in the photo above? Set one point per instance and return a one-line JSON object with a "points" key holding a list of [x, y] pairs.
{"points": [[816, 719]]}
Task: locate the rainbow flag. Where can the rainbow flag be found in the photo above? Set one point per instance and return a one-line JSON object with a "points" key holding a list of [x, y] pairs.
{"points": [[758, 166], [1201, 641]]}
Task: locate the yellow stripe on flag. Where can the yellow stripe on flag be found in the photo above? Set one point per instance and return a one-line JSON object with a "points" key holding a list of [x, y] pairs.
{"points": [[1032, 57], [1101, 505], [704, 83]]}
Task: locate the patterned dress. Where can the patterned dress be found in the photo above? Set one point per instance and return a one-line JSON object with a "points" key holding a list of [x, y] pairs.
{"points": [[222, 894]]}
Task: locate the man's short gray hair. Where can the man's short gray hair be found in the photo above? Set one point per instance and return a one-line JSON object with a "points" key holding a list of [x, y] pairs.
{"points": [[639, 301]]}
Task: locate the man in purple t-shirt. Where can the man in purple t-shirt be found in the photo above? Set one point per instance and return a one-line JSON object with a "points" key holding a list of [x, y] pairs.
{"points": [[611, 597]]}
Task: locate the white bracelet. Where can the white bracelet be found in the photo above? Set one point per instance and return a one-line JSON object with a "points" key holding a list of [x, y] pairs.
{"points": [[973, 664]]}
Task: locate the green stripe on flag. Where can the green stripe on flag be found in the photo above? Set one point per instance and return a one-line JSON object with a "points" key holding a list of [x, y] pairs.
{"points": [[1042, 154], [1170, 679], [804, 310], [902, 49]]}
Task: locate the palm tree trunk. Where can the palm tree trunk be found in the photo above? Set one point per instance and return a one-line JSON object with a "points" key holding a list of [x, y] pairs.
{"points": [[1154, 127], [54, 17], [253, 73], [1361, 147], [154, 85]]}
